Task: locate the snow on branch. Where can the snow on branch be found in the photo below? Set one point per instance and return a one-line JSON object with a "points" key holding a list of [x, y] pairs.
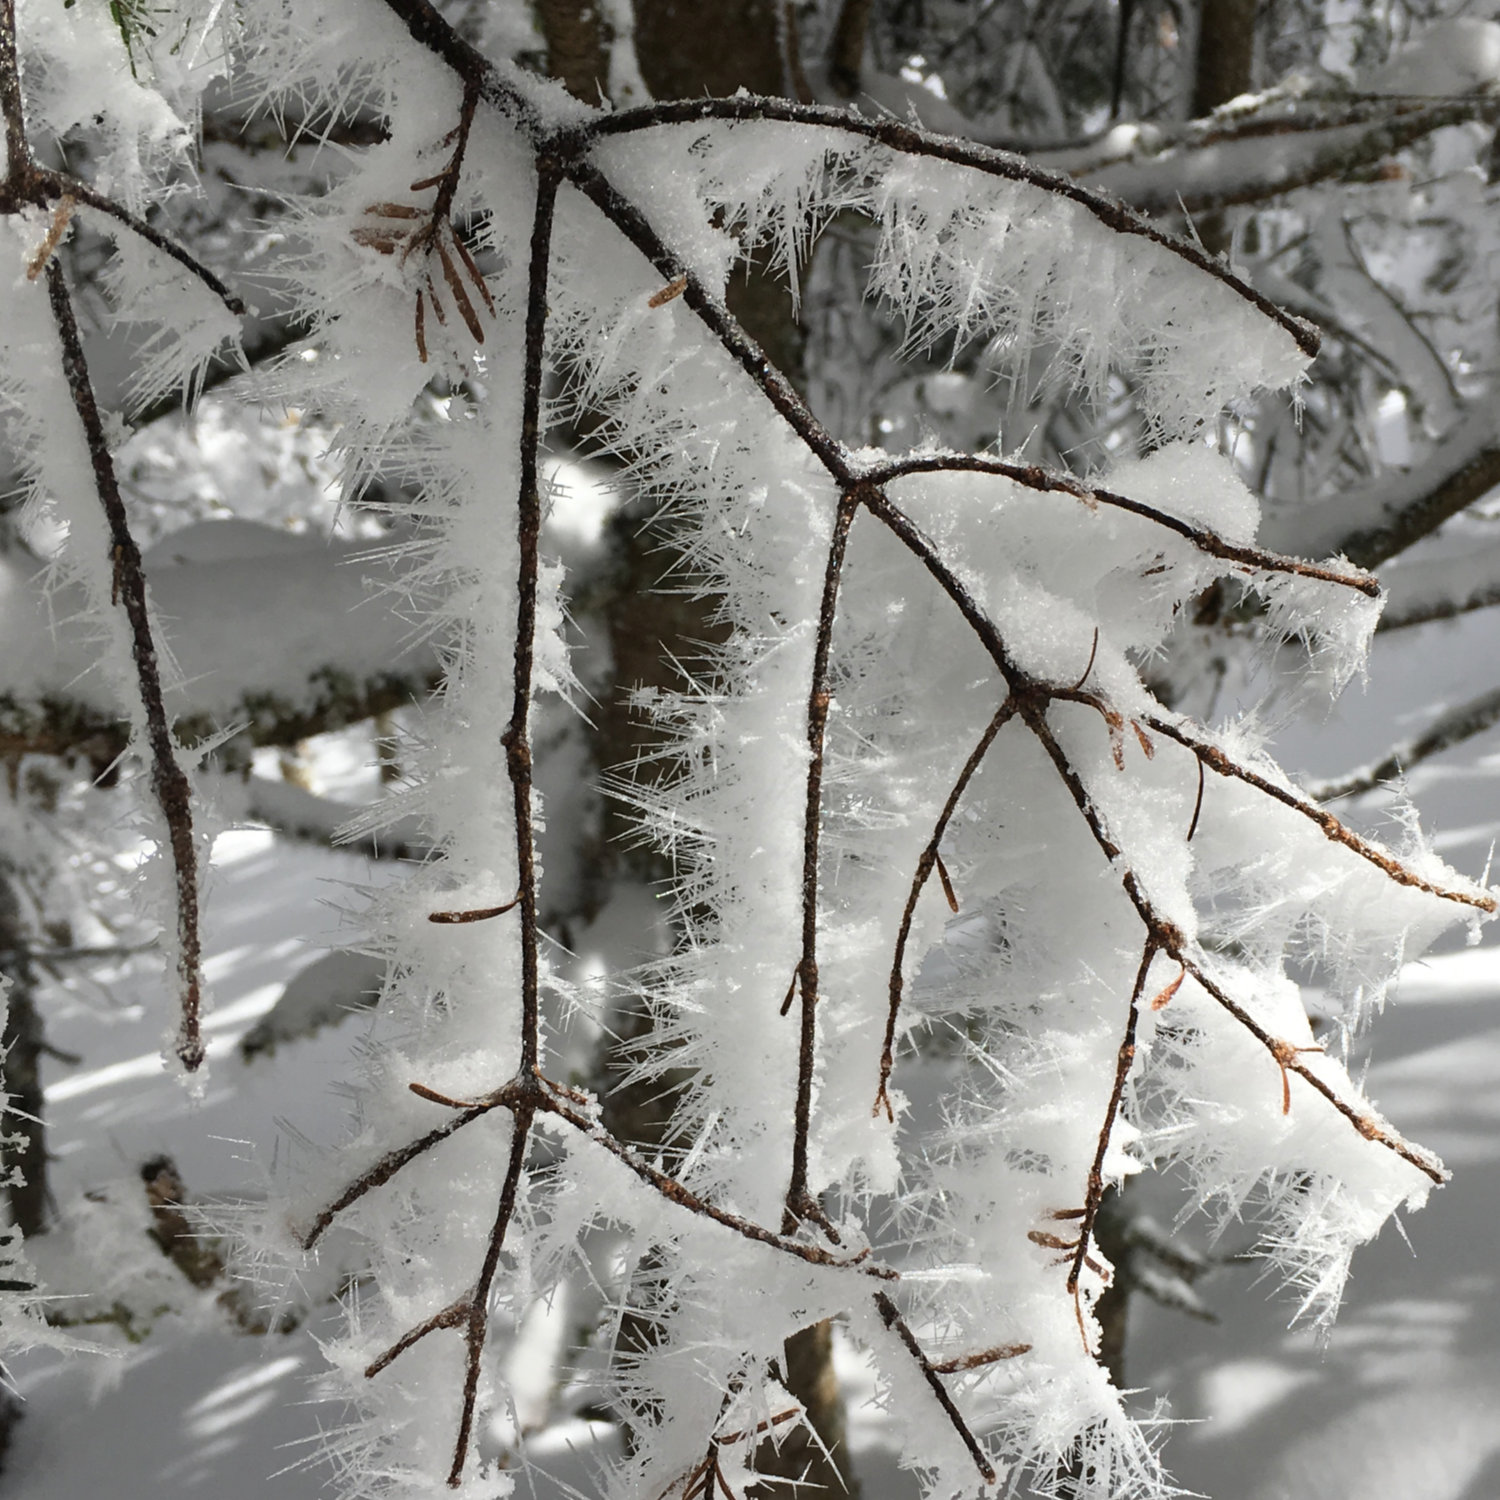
{"points": [[1226, 164], [1452, 727], [928, 665], [929, 669], [274, 635], [1371, 523], [1417, 592]]}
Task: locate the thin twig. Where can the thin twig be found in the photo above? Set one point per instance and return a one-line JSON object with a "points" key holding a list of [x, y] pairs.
{"points": [[473, 914], [1046, 481], [452, 1316], [479, 1301], [982, 1357], [60, 184], [1216, 760], [925, 863], [1197, 806], [1171, 941], [12, 109], [386, 1168], [528, 530], [169, 782], [890, 1315], [1094, 1195], [1370, 1127], [800, 1203], [783, 396], [674, 1192]]}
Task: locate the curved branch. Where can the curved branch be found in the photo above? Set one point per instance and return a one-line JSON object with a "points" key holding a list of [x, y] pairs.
{"points": [[1216, 760], [909, 140], [169, 782], [61, 184], [1045, 481], [1448, 729], [1403, 527], [925, 864]]}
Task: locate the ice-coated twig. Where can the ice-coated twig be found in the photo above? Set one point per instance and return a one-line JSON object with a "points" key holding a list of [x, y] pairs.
{"points": [[1216, 760], [1094, 1194], [169, 782], [1047, 481], [28, 183], [925, 863], [890, 1315], [61, 185], [800, 1204], [386, 1168], [912, 141], [1370, 1126]]}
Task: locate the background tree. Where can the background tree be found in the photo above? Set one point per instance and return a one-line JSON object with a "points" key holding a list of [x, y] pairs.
{"points": [[1366, 211]]}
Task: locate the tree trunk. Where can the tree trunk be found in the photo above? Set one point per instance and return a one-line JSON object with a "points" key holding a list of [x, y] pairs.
{"points": [[1226, 53], [577, 53], [1224, 70], [686, 52]]}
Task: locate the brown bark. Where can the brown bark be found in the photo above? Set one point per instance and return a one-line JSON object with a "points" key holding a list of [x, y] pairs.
{"points": [[1225, 63], [822, 1463], [577, 51], [1226, 53]]}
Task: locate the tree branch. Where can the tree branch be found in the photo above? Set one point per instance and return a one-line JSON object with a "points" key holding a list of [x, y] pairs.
{"points": [[1216, 760], [1448, 729], [890, 1315], [800, 1204], [1374, 522], [1094, 1195], [1229, 168], [911, 141], [528, 530], [169, 783], [925, 863], [1045, 481]]}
